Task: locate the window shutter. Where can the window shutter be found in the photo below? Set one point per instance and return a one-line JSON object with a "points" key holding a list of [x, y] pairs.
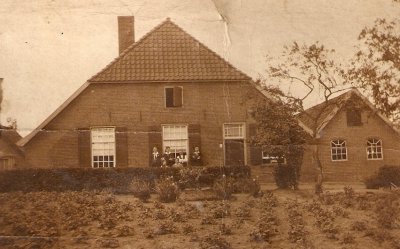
{"points": [[121, 145], [194, 138], [255, 151], [169, 97], [177, 96], [155, 139], [84, 147]]}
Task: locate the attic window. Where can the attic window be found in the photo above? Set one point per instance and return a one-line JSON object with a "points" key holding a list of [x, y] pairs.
{"points": [[353, 117], [173, 96]]}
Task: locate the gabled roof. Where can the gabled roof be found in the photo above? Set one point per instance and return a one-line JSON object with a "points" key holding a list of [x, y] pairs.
{"points": [[318, 116], [165, 54], [168, 53], [10, 136]]}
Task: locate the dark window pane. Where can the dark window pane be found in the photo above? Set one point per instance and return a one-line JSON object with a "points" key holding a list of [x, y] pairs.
{"points": [[101, 158], [344, 157], [111, 164], [111, 158], [105, 158], [334, 157], [96, 165], [353, 117]]}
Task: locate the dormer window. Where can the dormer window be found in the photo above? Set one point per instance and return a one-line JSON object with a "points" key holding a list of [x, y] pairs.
{"points": [[173, 96], [353, 117]]}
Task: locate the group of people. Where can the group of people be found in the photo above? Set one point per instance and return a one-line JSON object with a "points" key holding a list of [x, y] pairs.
{"points": [[169, 159]]}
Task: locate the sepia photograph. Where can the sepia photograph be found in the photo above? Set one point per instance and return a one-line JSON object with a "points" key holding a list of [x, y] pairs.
{"points": [[195, 124]]}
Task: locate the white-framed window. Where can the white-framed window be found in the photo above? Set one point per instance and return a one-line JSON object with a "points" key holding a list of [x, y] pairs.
{"points": [[374, 149], [103, 147], [176, 137], [338, 150], [173, 96], [268, 159], [234, 131]]}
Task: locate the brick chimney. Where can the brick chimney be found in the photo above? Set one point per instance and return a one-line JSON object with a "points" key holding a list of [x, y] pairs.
{"points": [[126, 33]]}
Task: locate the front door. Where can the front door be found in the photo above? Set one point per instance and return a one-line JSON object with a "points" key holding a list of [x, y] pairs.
{"points": [[234, 145], [234, 152]]}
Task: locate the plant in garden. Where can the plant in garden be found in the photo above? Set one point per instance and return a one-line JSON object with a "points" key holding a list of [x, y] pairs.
{"points": [[297, 232], [188, 229], [167, 190], [214, 241], [140, 189], [166, 227], [387, 211], [223, 188]]}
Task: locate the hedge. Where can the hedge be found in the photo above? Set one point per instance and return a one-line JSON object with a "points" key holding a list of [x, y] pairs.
{"points": [[115, 179], [384, 177]]}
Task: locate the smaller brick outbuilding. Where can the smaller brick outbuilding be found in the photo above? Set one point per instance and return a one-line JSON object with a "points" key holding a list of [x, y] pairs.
{"points": [[10, 155], [354, 139]]}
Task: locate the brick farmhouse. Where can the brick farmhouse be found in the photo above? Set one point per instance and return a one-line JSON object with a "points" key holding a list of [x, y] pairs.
{"points": [[166, 89], [355, 140]]}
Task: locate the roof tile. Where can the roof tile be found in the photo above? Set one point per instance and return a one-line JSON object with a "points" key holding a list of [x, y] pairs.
{"points": [[168, 53]]}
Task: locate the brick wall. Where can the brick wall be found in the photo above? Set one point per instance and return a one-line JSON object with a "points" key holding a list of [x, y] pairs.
{"points": [[136, 107], [357, 167]]}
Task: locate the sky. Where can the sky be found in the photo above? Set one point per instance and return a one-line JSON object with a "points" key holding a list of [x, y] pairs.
{"points": [[49, 48]]}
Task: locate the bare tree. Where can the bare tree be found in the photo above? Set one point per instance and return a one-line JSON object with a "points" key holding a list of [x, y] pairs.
{"points": [[313, 68]]}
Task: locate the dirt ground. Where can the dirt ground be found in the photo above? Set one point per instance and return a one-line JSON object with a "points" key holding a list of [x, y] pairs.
{"points": [[351, 218]]}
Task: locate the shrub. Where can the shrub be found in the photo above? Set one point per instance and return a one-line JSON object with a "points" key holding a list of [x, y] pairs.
{"points": [[385, 176], [116, 179], [140, 189], [285, 176], [167, 190], [223, 188]]}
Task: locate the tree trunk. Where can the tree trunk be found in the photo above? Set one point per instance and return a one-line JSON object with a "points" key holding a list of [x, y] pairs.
{"points": [[318, 168]]}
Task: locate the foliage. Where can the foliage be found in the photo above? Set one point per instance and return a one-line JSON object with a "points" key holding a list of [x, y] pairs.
{"points": [[278, 132], [214, 241], [167, 190], [376, 65], [140, 189], [285, 176], [118, 180], [223, 188], [310, 69], [385, 176], [387, 211]]}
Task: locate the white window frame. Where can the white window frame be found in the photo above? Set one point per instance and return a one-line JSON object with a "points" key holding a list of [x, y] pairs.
{"points": [[373, 146], [114, 151], [243, 130], [165, 97], [345, 147], [163, 127], [265, 156]]}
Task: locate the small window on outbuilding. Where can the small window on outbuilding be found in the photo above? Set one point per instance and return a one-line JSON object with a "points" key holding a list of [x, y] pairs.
{"points": [[374, 149], [353, 117], [173, 96]]}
